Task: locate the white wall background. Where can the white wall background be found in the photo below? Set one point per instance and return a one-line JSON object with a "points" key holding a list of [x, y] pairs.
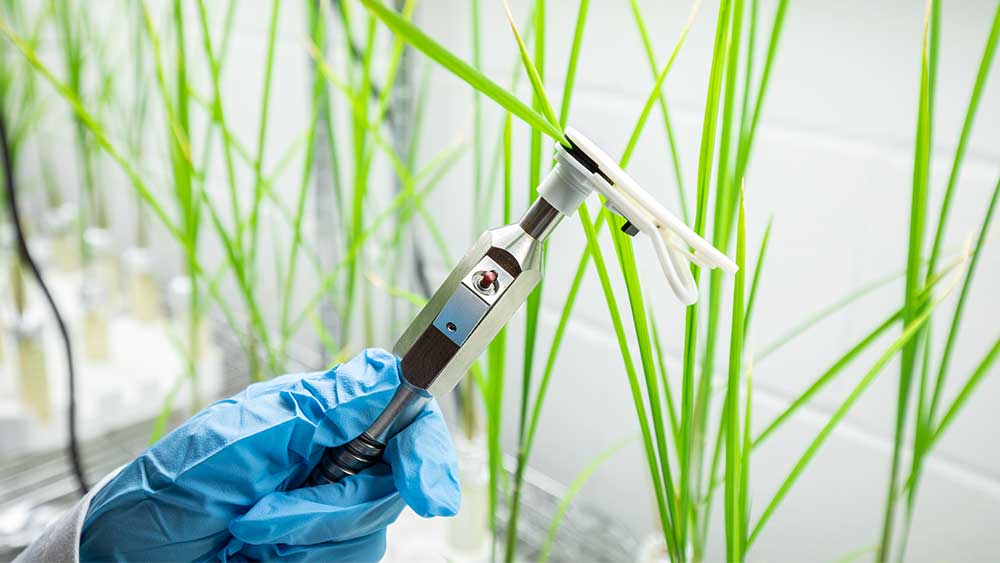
{"points": [[831, 165]]}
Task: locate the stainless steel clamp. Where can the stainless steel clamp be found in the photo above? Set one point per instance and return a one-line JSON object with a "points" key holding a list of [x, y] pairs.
{"points": [[498, 274]]}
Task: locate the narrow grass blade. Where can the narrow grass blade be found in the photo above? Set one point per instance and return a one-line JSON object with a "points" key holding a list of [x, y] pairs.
{"points": [[733, 502], [627, 263], [533, 305], [264, 113], [828, 375], [963, 396], [662, 102], [574, 59], [926, 421], [166, 409], [668, 396], [478, 211], [915, 249], [688, 469], [665, 502], [746, 449], [761, 255], [536, 79], [825, 313], [95, 128], [657, 91], [980, 242], [574, 488], [746, 142], [842, 362], [414, 36], [911, 330], [970, 117]]}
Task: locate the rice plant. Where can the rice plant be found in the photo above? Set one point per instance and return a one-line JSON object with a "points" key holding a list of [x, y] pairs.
{"points": [[696, 437], [22, 106], [921, 368], [686, 475]]}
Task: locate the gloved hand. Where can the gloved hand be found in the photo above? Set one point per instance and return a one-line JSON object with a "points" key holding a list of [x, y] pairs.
{"points": [[226, 484]]}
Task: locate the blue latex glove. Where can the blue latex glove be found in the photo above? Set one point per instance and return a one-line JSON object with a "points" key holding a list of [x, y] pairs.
{"points": [[225, 485]]}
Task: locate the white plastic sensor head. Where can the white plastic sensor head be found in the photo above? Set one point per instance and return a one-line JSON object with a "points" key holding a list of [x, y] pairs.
{"points": [[587, 168]]}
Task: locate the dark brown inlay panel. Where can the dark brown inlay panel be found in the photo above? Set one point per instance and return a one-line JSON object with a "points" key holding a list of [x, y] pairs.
{"points": [[428, 356]]}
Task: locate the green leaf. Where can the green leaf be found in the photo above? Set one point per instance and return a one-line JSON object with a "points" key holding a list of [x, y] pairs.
{"points": [[926, 421], [963, 139], [688, 465], [915, 248], [761, 254], [662, 101], [842, 362], [734, 503], [909, 332], [574, 488], [574, 59], [536, 80], [963, 396], [432, 49], [984, 228]]}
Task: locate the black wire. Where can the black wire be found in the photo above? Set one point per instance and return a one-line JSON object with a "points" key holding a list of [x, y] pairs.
{"points": [[73, 447]]}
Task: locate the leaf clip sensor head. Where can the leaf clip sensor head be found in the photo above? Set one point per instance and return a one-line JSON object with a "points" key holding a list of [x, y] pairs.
{"points": [[584, 167]]}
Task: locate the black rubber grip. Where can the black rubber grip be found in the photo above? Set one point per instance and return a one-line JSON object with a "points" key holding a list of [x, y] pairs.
{"points": [[346, 460]]}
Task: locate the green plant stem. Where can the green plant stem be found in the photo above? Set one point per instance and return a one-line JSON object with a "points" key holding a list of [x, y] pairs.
{"points": [[918, 218], [686, 453], [982, 369], [536, 73], [219, 118], [734, 504], [662, 102], [970, 117], [461, 69], [668, 512], [725, 202], [258, 168], [477, 124], [909, 332], [926, 422], [574, 60], [574, 488]]}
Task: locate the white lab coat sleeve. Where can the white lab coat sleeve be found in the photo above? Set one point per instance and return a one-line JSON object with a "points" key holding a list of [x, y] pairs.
{"points": [[60, 541]]}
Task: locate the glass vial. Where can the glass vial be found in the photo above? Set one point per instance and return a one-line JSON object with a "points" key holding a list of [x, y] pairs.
{"points": [[103, 260], [60, 226], [180, 312], [468, 532], [96, 322], [26, 337], [141, 287]]}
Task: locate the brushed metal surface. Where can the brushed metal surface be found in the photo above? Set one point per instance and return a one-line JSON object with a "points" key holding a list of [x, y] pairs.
{"points": [[527, 252], [461, 314], [522, 254], [430, 311]]}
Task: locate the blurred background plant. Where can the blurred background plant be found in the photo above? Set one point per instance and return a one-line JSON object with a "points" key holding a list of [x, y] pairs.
{"points": [[292, 226]]}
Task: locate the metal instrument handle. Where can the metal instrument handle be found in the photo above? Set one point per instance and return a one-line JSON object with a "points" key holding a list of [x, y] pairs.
{"points": [[346, 460]]}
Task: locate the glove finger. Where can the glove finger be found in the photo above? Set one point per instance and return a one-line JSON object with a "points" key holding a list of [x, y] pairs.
{"points": [[343, 402], [361, 549], [354, 507], [276, 430], [424, 466]]}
